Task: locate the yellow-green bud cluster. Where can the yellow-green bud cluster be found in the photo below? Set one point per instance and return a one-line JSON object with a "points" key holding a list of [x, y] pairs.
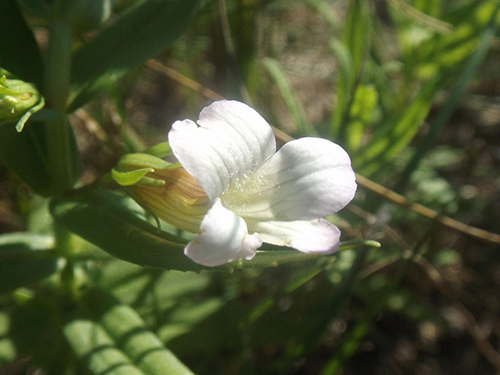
{"points": [[18, 100]]}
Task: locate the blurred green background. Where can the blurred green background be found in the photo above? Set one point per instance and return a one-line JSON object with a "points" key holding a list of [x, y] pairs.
{"points": [[411, 89]]}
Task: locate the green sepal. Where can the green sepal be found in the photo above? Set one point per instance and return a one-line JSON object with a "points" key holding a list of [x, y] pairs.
{"points": [[131, 177], [142, 160], [133, 168], [161, 150]]}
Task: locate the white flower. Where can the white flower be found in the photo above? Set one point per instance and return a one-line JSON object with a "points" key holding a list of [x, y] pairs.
{"points": [[257, 194]]}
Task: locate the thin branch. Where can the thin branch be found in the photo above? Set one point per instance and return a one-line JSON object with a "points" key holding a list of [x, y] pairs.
{"points": [[362, 181], [183, 80], [440, 282], [433, 273], [474, 330], [427, 212]]}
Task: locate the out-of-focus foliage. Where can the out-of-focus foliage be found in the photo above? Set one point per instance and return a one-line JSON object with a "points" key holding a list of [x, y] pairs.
{"points": [[90, 283]]}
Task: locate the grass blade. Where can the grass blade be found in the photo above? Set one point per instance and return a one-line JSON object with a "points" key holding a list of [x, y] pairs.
{"points": [[293, 105], [450, 104], [144, 31]]}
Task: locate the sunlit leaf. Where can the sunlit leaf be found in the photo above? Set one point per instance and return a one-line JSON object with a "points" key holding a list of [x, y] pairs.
{"points": [[141, 33], [112, 222], [7, 347], [393, 137], [278, 74], [24, 260], [361, 115], [127, 330], [355, 35], [96, 349]]}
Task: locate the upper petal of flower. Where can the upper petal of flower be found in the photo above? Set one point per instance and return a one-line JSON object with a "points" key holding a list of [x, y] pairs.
{"points": [[230, 141], [224, 238], [306, 179], [316, 236]]}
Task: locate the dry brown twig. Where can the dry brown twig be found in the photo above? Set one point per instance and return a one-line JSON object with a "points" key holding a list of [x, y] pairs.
{"points": [[431, 272], [471, 325], [362, 181], [434, 275]]}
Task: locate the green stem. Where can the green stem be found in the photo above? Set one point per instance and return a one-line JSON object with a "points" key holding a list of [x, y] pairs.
{"points": [[59, 154], [56, 92], [58, 64], [64, 249]]}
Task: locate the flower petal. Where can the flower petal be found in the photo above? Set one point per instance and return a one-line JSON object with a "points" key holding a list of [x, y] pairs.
{"points": [[306, 179], [231, 140], [224, 238], [316, 236]]}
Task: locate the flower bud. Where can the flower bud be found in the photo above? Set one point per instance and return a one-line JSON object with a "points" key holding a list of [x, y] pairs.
{"points": [[164, 189], [18, 100]]}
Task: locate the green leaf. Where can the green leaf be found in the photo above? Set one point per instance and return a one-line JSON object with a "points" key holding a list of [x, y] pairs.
{"points": [[362, 109], [447, 257], [344, 86], [92, 344], [432, 46], [36, 331], [293, 105], [147, 288], [87, 15], [394, 137], [458, 90], [26, 155], [350, 54], [19, 51], [144, 31], [326, 11], [113, 222], [7, 346], [126, 328], [111, 338], [355, 32], [23, 260], [37, 8]]}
